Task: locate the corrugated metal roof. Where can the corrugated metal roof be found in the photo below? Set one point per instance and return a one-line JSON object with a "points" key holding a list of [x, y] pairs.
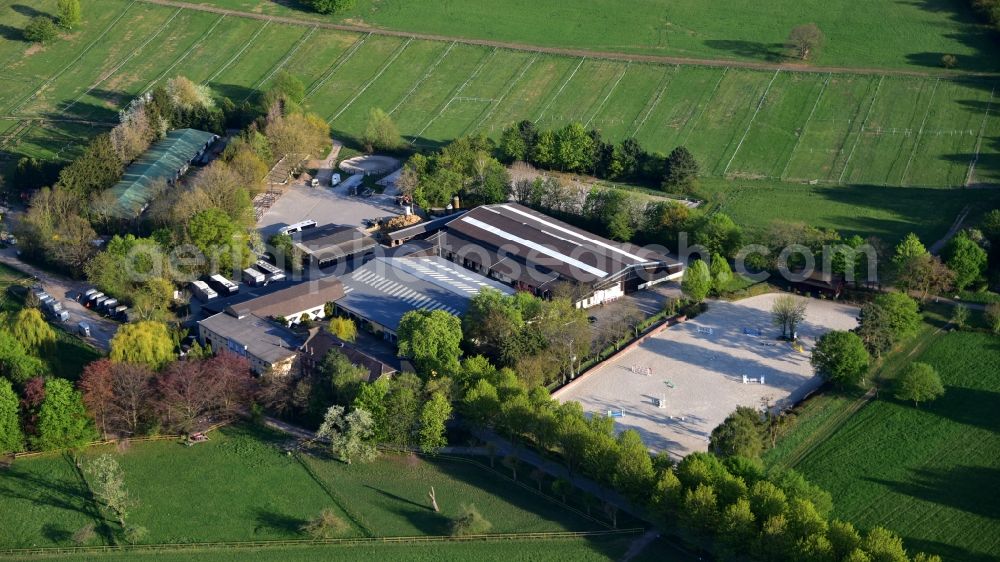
{"points": [[385, 289], [163, 161]]}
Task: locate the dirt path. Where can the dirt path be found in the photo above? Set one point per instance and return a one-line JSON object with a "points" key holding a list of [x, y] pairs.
{"points": [[936, 247], [610, 55], [640, 544]]}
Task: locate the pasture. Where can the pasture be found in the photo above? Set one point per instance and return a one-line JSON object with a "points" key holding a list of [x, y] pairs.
{"points": [[858, 33], [830, 129], [240, 486], [928, 473]]}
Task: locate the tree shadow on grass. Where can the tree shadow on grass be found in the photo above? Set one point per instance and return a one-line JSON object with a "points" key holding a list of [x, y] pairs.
{"points": [[267, 519], [11, 33], [771, 52], [27, 11], [398, 498], [56, 534], [971, 489], [945, 551]]}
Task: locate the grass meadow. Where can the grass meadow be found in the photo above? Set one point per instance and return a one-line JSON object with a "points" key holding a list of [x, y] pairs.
{"points": [[928, 473], [858, 33], [241, 486], [831, 129], [599, 549]]}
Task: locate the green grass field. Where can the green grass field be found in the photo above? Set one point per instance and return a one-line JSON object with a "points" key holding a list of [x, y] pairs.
{"points": [[240, 486], [858, 33], [928, 473], [829, 128], [558, 550]]}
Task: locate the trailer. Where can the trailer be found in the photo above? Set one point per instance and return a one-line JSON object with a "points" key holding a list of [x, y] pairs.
{"points": [[223, 286], [254, 277], [92, 300], [99, 303], [61, 315], [201, 290], [273, 273], [109, 305], [87, 294], [297, 227], [119, 312]]}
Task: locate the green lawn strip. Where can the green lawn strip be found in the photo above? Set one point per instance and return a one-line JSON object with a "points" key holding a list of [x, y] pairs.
{"points": [[268, 50], [430, 97], [132, 78], [950, 134], [478, 96], [389, 88], [391, 493], [927, 472], [582, 93], [826, 141], [502, 550], [33, 65], [526, 100], [352, 75], [786, 110], [212, 54], [139, 23], [886, 143], [724, 121], [685, 98], [624, 107], [43, 501], [318, 55], [889, 213], [858, 33], [986, 152]]}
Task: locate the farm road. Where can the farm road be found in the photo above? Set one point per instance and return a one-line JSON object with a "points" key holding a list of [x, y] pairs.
{"points": [[788, 67]]}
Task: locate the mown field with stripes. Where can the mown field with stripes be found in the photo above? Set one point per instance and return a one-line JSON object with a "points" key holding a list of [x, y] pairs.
{"points": [[830, 128]]}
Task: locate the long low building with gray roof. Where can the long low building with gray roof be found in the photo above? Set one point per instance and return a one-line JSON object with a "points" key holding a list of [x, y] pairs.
{"points": [[380, 292]]}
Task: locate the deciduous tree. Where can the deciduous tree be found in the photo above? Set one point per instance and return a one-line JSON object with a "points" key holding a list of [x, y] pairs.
{"points": [[739, 435], [433, 339], [107, 481], [788, 312], [682, 171], [966, 259], [805, 40], [350, 434], [919, 382], [433, 417], [34, 333], [148, 343], [11, 436], [841, 357], [69, 13], [41, 29], [381, 132], [62, 419]]}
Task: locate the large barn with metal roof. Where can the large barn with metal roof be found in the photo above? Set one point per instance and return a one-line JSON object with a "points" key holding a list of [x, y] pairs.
{"points": [[534, 252], [380, 292]]}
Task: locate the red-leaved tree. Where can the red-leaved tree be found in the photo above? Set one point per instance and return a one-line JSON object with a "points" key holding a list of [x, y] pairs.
{"points": [[120, 396], [195, 391]]}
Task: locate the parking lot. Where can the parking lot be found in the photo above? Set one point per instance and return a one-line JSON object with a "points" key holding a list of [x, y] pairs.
{"points": [[696, 369], [326, 205]]}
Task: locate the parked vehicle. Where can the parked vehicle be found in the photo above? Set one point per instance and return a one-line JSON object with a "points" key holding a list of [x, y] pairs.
{"points": [[314, 182], [297, 227], [223, 286], [84, 329], [202, 291], [334, 179], [254, 277], [273, 272]]}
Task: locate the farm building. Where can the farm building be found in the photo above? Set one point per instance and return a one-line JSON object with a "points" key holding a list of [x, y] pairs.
{"points": [[166, 160], [534, 252], [294, 303], [322, 342], [379, 293], [332, 244], [266, 345]]}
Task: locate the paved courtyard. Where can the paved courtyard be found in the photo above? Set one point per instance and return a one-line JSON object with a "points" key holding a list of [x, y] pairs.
{"points": [[697, 369], [325, 205]]}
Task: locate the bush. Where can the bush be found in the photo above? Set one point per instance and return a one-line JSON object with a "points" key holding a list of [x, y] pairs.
{"points": [[326, 525], [469, 522], [41, 29]]}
